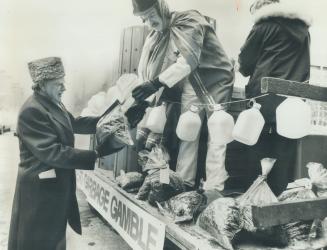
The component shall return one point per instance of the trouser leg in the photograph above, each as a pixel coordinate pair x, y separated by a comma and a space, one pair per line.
187, 159
284, 150
216, 173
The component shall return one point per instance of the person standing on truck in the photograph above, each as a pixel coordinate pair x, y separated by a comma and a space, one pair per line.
183, 57
45, 198
277, 46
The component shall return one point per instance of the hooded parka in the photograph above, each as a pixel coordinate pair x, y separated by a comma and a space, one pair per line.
277, 46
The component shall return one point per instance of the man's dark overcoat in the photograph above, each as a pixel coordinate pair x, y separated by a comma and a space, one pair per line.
42, 207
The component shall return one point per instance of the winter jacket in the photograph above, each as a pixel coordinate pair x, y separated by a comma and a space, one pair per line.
277, 46
42, 206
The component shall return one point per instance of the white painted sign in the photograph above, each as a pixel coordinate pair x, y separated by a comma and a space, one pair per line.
139, 229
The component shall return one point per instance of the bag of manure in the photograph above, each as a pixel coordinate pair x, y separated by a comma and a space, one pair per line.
184, 207
318, 176
299, 232
222, 220
161, 183
114, 122
258, 194
131, 181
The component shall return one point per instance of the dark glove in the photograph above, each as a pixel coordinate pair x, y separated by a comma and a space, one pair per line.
135, 113
140, 93
109, 146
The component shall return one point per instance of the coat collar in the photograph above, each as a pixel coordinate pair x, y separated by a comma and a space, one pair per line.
56, 112
287, 9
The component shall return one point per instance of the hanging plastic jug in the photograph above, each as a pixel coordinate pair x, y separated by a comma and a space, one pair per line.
220, 126
249, 125
157, 119
293, 118
189, 124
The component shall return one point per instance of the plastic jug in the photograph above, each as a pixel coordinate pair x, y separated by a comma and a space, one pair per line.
220, 126
249, 125
157, 119
189, 124
293, 118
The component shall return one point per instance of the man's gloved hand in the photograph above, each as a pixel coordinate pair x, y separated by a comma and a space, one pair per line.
135, 113
109, 146
140, 93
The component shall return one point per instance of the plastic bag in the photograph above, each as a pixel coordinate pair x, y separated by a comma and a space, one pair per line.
161, 183
142, 158
155, 191
114, 123
183, 207
258, 194
157, 158
125, 84
96, 105
299, 231
131, 182
222, 219
318, 177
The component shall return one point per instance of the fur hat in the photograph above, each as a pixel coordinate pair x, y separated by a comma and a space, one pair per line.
257, 4
46, 69
141, 6
284, 8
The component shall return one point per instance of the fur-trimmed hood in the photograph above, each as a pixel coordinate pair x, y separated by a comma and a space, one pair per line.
290, 9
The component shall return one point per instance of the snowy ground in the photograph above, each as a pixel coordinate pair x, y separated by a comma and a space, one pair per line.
97, 235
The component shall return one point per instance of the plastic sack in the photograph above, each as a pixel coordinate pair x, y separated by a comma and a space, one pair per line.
154, 189
114, 123
98, 103
258, 194
157, 158
112, 95
183, 207
131, 182
142, 158
222, 219
318, 177
300, 231
125, 84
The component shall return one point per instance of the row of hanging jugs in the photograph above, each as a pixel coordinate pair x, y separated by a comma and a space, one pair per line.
293, 118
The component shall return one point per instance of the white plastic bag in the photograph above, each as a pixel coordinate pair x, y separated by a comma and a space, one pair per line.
258, 194
318, 177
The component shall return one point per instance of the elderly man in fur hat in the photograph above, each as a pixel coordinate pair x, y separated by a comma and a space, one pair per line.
183, 60
45, 198
277, 46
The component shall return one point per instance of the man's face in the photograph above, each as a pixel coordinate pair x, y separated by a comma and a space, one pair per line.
54, 89
153, 20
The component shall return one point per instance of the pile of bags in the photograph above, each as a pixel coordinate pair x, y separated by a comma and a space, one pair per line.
228, 219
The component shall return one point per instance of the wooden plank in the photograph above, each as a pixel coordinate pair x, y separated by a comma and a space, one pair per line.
137, 45
286, 212
127, 50
121, 53
284, 87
